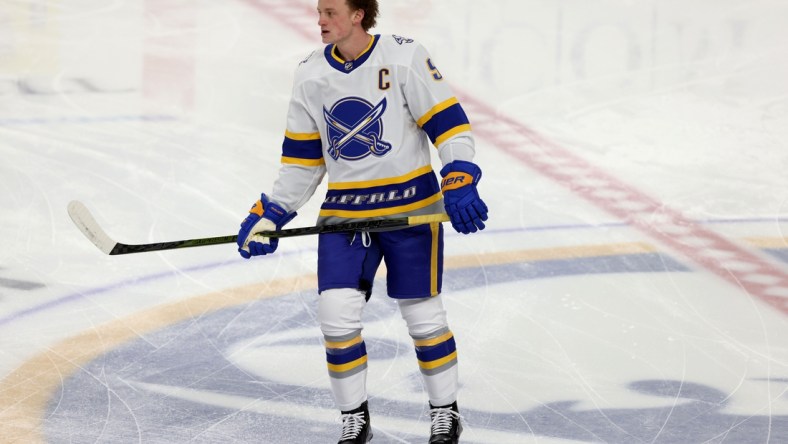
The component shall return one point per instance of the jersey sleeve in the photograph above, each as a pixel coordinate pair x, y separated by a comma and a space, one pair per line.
436, 109
303, 166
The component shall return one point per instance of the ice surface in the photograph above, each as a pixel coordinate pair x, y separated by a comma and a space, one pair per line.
631, 285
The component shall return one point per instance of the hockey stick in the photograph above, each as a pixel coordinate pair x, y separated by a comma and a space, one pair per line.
91, 229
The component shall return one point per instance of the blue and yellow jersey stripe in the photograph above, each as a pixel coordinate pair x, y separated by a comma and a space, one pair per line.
444, 120
382, 197
305, 149
381, 182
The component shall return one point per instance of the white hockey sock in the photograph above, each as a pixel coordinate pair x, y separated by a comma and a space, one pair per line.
339, 313
435, 347
347, 369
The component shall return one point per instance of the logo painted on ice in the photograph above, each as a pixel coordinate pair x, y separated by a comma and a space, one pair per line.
355, 129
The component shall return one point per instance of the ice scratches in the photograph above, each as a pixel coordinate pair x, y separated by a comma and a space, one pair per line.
767, 281
391, 426
580, 378
188, 391
102, 380
694, 416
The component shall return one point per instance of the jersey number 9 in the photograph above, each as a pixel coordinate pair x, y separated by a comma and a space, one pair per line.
434, 71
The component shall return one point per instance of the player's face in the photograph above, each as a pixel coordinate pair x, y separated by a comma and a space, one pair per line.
336, 20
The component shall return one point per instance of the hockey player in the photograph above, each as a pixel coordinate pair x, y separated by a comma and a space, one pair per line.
366, 109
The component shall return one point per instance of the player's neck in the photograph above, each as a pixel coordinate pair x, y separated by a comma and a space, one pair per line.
353, 46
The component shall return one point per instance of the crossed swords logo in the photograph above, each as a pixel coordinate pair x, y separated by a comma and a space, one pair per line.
356, 132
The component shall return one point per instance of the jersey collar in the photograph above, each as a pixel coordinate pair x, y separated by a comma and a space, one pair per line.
347, 67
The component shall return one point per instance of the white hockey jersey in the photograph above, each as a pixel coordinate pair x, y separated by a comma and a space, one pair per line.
369, 123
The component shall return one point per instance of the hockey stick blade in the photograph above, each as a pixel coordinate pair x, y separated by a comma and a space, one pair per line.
90, 228
87, 224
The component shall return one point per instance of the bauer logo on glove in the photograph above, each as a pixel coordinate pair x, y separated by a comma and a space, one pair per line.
258, 208
454, 180
465, 208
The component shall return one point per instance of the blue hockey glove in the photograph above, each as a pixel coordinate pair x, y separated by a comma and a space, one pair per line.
264, 216
463, 205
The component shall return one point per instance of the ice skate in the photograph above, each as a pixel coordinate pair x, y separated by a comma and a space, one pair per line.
355, 426
446, 426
